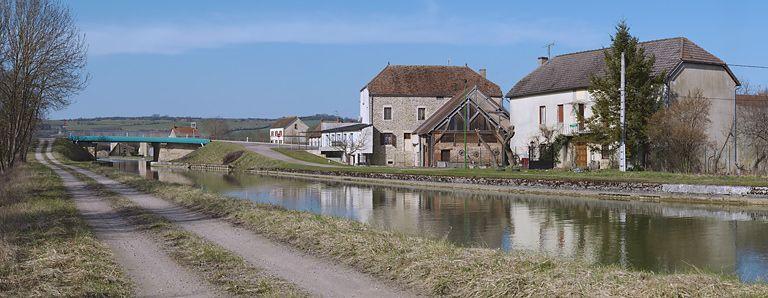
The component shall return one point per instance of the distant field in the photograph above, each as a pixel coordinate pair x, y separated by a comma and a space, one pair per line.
254, 129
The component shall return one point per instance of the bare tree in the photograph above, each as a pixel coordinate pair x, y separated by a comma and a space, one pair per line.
349, 145
678, 134
43, 58
752, 112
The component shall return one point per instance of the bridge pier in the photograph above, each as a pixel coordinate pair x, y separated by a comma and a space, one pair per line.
155, 151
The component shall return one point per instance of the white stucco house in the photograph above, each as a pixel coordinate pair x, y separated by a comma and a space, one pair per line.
351, 144
555, 93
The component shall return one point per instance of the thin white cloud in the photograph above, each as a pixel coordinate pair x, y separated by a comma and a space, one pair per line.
178, 38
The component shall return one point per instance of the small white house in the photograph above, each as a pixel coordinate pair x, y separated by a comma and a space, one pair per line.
350, 144
288, 130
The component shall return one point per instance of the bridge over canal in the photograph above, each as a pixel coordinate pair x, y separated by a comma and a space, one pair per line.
159, 148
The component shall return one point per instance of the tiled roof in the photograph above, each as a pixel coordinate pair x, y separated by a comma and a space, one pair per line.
283, 122
752, 100
428, 81
489, 106
185, 131
353, 127
572, 71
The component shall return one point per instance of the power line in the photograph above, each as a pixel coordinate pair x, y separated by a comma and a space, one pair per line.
748, 66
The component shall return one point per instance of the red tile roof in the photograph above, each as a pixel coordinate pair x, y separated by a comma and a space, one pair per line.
186, 131
428, 81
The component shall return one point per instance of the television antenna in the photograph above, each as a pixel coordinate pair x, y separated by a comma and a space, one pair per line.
549, 49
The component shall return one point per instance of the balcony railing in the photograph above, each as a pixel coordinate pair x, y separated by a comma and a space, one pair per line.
573, 129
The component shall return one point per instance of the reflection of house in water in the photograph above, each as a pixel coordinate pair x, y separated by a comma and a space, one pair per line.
353, 201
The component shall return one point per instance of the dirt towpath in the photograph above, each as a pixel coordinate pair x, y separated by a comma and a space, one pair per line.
317, 276
152, 272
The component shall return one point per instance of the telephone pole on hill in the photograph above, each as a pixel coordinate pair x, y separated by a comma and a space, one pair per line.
623, 143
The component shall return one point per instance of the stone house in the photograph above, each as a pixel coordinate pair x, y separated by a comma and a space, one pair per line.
555, 96
288, 130
402, 97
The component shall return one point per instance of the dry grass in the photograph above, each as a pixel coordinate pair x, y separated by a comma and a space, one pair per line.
435, 267
215, 152
46, 249
225, 270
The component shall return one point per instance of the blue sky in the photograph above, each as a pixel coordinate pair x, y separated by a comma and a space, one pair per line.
274, 58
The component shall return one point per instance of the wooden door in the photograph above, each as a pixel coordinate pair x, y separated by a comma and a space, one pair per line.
445, 155
581, 155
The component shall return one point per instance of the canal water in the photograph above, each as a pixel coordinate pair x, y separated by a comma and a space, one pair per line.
638, 235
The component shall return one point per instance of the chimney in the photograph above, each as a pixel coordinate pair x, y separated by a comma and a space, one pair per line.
543, 60
483, 72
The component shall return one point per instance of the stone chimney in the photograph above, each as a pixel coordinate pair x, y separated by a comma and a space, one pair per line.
483, 72
543, 60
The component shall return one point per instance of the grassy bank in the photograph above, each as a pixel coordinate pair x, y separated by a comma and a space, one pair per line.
46, 249
71, 151
437, 267
225, 270
214, 153
306, 156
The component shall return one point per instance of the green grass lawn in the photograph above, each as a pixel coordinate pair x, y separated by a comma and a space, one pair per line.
306, 156
214, 153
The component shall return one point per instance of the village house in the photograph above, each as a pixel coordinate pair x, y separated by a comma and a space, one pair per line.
348, 143
555, 96
402, 97
185, 131
288, 130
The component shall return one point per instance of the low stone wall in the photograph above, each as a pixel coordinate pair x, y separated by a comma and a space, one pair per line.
598, 186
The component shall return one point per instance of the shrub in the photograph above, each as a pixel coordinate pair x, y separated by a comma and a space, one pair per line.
678, 134
232, 157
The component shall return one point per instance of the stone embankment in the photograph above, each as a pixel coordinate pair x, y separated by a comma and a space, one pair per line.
561, 185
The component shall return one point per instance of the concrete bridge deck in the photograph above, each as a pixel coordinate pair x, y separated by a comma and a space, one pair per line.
132, 139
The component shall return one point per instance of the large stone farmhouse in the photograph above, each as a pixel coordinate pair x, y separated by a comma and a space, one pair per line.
555, 95
403, 97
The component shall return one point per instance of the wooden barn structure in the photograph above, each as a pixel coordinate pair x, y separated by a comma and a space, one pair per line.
470, 129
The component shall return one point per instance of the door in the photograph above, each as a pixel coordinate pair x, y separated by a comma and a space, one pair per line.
581, 155
445, 155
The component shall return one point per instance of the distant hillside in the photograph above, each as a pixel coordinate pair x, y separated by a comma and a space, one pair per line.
255, 129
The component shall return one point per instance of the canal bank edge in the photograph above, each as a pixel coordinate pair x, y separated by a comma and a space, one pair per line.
435, 267
713, 194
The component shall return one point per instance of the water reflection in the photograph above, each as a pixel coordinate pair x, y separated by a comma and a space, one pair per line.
640, 235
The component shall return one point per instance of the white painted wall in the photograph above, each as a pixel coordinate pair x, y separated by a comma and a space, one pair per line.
525, 115
348, 136
365, 106
276, 135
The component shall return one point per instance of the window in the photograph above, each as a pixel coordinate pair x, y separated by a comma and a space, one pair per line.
440, 98
388, 139
580, 115
295, 126
406, 136
387, 113
542, 115
421, 113
560, 114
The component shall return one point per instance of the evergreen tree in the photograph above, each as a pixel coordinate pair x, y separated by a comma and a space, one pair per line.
643, 94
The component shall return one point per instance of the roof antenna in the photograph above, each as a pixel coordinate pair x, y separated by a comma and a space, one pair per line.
449, 61
549, 49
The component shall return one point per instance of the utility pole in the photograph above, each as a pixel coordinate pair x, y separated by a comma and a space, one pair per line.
466, 127
623, 143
